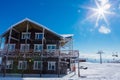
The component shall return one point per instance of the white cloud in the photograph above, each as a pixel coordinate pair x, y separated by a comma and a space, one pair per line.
104, 30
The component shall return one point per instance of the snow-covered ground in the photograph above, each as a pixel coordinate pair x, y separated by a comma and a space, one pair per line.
95, 71
105, 71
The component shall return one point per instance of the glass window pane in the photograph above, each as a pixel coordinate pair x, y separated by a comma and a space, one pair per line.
24, 64
39, 65
35, 64
37, 47
26, 35
24, 47
53, 47
52, 67
9, 64
20, 65
40, 36
11, 47
40, 47
49, 47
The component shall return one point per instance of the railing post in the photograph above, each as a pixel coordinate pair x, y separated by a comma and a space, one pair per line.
59, 59
78, 65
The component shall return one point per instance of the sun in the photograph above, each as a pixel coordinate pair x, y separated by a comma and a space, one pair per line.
100, 11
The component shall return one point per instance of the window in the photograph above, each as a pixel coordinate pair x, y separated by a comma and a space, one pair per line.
51, 65
37, 47
38, 35
37, 65
11, 47
9, 64
51, 47
22, 65
24, 47
26, 35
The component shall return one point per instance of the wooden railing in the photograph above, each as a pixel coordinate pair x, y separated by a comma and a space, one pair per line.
45, 53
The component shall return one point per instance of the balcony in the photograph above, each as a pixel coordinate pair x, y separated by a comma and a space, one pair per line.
44, 53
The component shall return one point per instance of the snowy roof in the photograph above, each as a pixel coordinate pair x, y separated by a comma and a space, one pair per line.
27, 19
67, 35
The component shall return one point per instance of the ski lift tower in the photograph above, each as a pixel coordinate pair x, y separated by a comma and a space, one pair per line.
100, 52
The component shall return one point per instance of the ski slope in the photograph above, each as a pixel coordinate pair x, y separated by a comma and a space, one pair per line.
95, 71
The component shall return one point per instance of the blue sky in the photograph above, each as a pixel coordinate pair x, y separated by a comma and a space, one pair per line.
69, 17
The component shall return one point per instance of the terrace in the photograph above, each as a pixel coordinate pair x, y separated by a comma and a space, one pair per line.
44, 53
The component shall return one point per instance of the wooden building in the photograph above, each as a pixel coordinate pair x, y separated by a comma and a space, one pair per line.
31, 48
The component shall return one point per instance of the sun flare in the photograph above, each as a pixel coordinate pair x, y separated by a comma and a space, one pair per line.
100, 11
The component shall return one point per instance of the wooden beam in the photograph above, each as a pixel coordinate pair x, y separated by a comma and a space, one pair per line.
9, 39
15, 30
59, 60
27, 28
42, 50
14, 39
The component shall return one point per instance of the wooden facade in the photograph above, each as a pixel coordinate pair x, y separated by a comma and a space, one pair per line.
34, 49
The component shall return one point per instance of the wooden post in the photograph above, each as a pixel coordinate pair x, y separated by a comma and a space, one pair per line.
42, 52
72, 54
24, 56
9, 39
59, 59
59, 65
